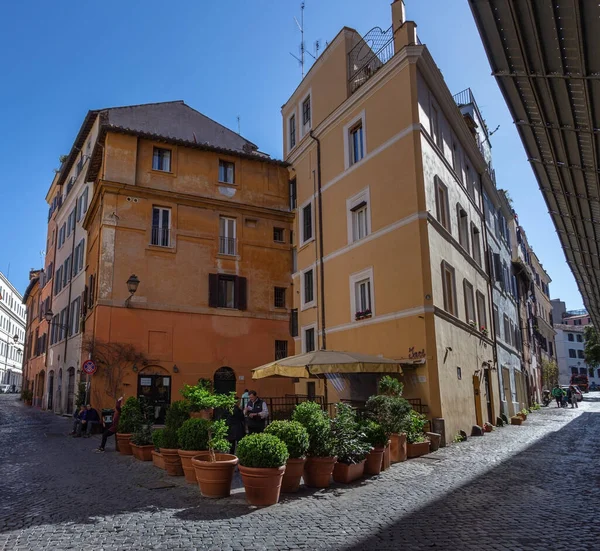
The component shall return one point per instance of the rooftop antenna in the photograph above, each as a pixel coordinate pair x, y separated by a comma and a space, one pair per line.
239, 126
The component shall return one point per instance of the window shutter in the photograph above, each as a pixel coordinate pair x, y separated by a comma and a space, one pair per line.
213, 290
240, 293
294, 323
84, 301
497, 267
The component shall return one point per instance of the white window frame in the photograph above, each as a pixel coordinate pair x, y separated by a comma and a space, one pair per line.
303, 330
438, 184
224, 224
463, 227
307, 305
225, 163
154, 150
354, 280
301, 221
476, 244
445, 292
289, 132
169, 227
469, 293
360, 118
363, 196
436, 133
304, 129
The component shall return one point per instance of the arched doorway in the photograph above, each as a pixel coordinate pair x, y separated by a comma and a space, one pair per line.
50, 390
59, 382
71, 390
224, 380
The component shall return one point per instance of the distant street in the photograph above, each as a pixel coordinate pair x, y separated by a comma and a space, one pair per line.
531, 487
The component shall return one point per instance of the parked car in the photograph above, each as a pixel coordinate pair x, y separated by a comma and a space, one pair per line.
579, 394
5, 389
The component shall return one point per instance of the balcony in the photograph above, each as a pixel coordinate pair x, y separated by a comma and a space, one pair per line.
371, 53
161, 237
227, 246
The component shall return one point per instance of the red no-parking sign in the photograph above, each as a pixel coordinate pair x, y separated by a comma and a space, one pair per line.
89, 367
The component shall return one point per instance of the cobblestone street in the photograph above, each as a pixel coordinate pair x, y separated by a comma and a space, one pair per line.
531, 487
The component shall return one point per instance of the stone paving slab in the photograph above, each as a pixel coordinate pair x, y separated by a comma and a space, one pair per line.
536, 486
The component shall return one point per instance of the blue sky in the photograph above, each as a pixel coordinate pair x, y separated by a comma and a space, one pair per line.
225, 58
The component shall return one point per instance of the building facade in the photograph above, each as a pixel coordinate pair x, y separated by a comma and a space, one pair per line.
201, 218
390, 241
12, 335
33, 357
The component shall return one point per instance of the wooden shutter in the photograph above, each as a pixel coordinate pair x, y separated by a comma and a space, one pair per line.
294, 323
213, 290
240, 293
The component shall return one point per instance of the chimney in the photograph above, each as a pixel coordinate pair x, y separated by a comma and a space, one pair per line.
405, 32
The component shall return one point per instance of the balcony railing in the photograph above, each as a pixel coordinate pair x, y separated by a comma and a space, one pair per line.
373, 51
227, 246
161, 237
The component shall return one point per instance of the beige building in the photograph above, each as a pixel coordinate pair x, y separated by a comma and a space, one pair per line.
390, 246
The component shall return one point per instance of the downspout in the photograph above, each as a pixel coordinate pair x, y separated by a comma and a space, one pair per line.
321, 266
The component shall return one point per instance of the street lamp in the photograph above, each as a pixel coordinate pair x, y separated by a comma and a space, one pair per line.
132, 286
16, 338
48, 317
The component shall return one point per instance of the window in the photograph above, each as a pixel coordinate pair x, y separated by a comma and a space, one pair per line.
82, 204
455, 158
481, 311
574, 371
513, 334
306, 223
363, 296
61, 235
469, 302
357, 151
226, 291
293, 196
583, 371
506, 329
71, 222
74, 313
496, 320
279, 297
570, 336
463, 228
63, 324
449, 286
359, 221
226, 172
309, 339
227, 243
67, 268
161, 159
55, 330
292, 130
435, 126
279, 235
577, 322
161, 227
294, 323
281, 350
572, 353
306, 113
58, 280
78, 258
308, 289
579, 338
550, 348
580, 354
476, 244
441, 204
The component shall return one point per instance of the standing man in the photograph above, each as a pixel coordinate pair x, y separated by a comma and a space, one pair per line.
244, 400
256, 413
109, 431
557, 392
574, 403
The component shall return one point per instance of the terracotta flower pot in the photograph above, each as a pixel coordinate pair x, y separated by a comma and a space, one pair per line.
516, 420
158, 459
398, 447
186, 463
344, 474
386, 462
262, 485
202, 414
214, 479
143, 453
522, 416
374, 461
317, 471
294, 468
123, 441
418, 449
172, 462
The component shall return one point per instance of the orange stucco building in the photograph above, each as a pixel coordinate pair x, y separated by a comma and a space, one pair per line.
202, 218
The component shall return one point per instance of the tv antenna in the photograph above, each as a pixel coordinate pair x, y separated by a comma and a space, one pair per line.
303, 50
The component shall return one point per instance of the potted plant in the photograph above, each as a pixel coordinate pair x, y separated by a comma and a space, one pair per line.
523, 414
351, 446
516, 420
141, 441
262, 464
193, 439
484, 331
377, 437
177, 414
295, 437
130, 421
214, 468
203, 400
157, 457
321, 458
417, 443
27, 396
391, 412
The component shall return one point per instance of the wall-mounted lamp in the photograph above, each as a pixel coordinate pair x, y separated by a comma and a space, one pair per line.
132, 286
134, 368
175, 369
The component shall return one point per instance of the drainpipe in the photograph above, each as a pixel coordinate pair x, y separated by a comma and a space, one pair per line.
321, 267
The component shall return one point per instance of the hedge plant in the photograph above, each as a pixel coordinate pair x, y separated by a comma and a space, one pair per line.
169, 439
202, 396
177, 414
389, 386
415, 427
293, 435
262, 451
157, 438
130, 419
350, 442
391, 412
376, 434
143, 435
318, 425
193, 435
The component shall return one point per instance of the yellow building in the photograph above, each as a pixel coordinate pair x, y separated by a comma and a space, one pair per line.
390, 245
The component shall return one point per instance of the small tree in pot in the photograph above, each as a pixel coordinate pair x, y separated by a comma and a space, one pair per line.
193, 439
141, 441
418, 444
295, 437
378, 438
203, 400
262, 465
177, 414
351, 446
130, 421
321, 458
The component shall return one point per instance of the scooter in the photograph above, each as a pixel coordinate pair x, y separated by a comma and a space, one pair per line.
546, 398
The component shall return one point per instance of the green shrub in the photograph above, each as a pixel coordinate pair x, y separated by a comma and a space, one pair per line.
350, 443
193, 435
217, 437
169, 439
389, 386
375, 434
27, 395
293, 435
262, 451
391, 412
143, 436
201, 396
318, 425
177, 414
130, 419
414, 429
157, 438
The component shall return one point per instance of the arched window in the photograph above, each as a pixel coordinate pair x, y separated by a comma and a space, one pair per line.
224, 380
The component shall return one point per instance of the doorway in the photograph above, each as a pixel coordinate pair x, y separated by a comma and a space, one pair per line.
156, 389
71, 390
59, 384
488, 395
50, 390
224, 380
477, 396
